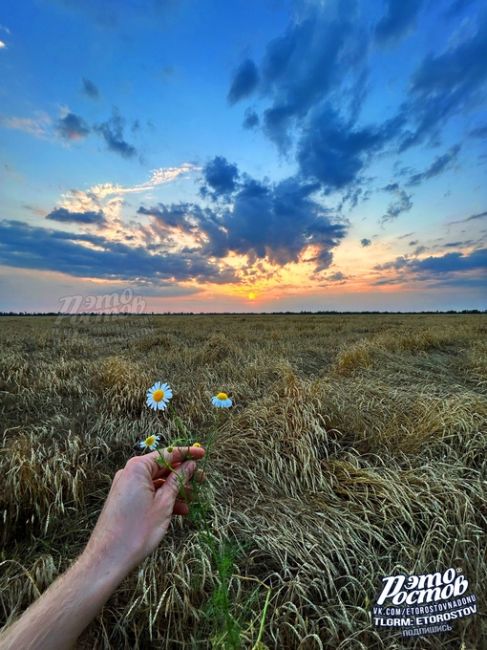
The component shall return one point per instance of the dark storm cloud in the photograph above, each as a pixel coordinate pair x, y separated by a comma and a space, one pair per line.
438, 166
221, 176
64, 215
30, 247
72, 127
112, 132
244, 81
399, 18
365, 242
90, 89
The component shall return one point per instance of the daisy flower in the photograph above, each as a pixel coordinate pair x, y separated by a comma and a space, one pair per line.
158, 396
221, 400
150, 442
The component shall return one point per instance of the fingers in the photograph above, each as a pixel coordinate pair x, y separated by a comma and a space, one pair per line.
152, 462
168, 492
199, 475
180, 508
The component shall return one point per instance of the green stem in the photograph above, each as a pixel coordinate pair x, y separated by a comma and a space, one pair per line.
262, 620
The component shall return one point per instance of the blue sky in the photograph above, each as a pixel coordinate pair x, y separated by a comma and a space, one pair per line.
244, 155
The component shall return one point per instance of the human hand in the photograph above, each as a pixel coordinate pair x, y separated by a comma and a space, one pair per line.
137, 512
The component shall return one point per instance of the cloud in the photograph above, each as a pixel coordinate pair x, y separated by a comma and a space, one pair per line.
479, 132
278, 222
333, 152
333, 278
452, 262
244, 81
109, 197
402, 204
320, 53
337, 277
186, 216
251, 119
398, 19
221, 176
72, 127
365, 242
445, 84
93, 256
2, 45
473, 217
112, 133
455, 269
456, 244
64, 215
441, 164
313, 80
159, 176
457, 6
37, 126
89, 88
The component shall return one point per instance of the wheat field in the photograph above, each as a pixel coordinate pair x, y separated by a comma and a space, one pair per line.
356, 449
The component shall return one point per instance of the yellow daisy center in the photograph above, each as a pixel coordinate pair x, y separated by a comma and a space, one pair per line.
222, 396
150, 441
158, 395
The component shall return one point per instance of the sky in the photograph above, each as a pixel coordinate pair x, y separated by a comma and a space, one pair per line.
246, 155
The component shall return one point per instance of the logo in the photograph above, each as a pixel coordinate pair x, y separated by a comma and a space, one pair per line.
102, 307
423, 604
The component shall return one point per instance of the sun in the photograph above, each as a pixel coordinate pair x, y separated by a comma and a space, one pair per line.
251, 295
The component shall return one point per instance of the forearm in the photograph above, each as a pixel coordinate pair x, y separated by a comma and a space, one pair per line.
56, 619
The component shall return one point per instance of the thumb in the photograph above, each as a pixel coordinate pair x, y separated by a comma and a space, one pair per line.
175, 481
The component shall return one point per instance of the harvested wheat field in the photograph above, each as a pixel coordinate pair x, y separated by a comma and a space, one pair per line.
355, 449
